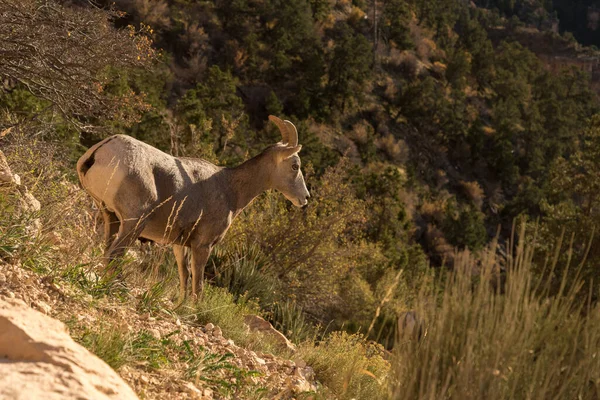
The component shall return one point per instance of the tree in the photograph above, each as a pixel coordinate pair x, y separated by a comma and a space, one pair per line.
212, 112
350, 66
62, 54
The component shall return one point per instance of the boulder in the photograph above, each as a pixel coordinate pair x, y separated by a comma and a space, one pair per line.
6, 175
258, 324
39, 360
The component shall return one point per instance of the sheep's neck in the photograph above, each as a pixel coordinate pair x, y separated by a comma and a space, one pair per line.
248, 180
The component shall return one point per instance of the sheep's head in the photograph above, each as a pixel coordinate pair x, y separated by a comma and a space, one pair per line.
287, 176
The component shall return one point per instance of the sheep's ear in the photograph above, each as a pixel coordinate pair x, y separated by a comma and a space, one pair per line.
287, 152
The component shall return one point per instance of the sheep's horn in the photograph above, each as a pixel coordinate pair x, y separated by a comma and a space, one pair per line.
292, 133
282, 128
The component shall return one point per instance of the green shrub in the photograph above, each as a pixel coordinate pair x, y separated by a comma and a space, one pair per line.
219, 307
348, 366
108, 343
244, 271
288, 318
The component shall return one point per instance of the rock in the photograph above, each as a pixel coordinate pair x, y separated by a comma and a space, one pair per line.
155, 333
43, 307
260, 361
258, 324
410, 325
217, 332
208, 328
2, 278
6, 175
38, 359
54, 238
300, 363
30, 203
193, 391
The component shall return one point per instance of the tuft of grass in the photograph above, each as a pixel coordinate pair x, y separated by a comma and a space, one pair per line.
152, 299
209, 367
288, 318
219, 307
509, 342
107, 343
109, 282
244, 271
349, 366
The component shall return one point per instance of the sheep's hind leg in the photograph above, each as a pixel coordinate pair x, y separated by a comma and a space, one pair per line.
181, 258
200, 255
111, 226
129, 231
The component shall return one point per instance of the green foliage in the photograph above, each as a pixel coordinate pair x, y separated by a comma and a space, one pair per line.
211, 113
245, 272
288, 318
208, 367
309, 250
151, 299
219, 307
348, 366
106, 283
107, 343
464, 227
395, 18
350, 67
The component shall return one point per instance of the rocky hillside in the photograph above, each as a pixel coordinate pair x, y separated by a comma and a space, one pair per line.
159, 355
161, 349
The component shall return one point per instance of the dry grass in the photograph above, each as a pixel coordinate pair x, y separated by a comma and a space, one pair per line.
512, 343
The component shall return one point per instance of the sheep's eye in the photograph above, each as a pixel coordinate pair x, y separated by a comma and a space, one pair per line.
295, 167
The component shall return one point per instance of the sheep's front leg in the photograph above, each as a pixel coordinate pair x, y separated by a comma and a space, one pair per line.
200, 255
179, 252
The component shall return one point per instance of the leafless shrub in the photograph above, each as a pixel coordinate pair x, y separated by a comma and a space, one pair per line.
474, 192
433, 210
438, 245
62, 54
395, 149
152, 12
361, 131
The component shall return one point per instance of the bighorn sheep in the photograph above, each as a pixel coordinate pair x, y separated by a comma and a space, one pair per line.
185, 202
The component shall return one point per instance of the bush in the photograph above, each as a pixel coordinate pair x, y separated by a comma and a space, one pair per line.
245, 272
348, 366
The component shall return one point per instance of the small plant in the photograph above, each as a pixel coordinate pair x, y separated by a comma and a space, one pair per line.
349, 366
289, 318
507, 340
108, 282
244, 271
217, 371
151, 300
108, 343
219, 307
147, 349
